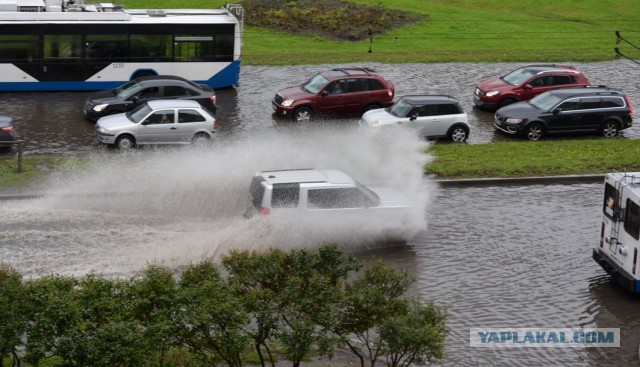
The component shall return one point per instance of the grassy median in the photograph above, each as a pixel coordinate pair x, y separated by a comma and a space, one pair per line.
541, 158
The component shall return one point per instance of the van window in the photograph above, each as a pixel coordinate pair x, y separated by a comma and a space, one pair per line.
285, 196
612, 102
632, 219
336, 198
610, 200
590, 103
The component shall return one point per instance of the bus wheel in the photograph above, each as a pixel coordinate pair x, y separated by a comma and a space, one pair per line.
125, 142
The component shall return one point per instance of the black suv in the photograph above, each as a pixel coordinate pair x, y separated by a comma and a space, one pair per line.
140, 90
586, 109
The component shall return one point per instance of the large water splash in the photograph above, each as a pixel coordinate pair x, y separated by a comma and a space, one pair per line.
119, 212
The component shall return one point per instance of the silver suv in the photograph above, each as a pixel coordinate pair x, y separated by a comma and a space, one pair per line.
301, 192
157, 122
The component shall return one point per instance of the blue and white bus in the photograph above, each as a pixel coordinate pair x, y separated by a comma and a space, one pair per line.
65, 45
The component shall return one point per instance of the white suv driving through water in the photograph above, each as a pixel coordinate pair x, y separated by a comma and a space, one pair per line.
328, 199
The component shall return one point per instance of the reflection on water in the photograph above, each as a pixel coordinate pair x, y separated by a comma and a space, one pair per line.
53, 122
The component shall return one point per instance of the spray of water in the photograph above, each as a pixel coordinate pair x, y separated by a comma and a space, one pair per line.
121, 211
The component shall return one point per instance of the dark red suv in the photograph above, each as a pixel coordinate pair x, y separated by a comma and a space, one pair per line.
336, 91
525, 83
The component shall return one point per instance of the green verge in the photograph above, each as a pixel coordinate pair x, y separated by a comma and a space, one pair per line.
542, 158
456, 31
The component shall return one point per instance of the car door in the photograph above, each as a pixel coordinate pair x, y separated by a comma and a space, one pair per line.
144, 95
424, 120
564, 117
159, 127
591, 114
535, 86
333, 98
190, 121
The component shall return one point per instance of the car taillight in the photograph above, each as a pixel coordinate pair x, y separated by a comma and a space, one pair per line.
629, 104
390, 92
602, 236
215, 123
7, 129
264, 211
213, 100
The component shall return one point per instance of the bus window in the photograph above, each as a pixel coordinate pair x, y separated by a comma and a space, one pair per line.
62, 46
106, 47
194, 48
610, 200
19, 48
150, 47
632, 219
224, 47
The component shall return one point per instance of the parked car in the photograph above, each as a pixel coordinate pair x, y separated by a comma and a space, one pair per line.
593, 109
137, 91
432, 117
303, 192
336, 91
170, 121
7, 132
525, 83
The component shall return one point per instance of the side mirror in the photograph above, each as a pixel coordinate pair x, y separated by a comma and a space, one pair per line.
528, 87
324, 93
135, 99
413, 117
557, 110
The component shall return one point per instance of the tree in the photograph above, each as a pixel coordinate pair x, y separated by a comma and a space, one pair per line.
212, 317
13, 313
155, 306
416, 334
310, 297
370, 299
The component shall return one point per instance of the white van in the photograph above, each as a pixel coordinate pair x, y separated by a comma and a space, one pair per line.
620, 231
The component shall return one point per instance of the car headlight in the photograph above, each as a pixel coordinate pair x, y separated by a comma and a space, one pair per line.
287, 102
513, 121
492, 93
103, 130
100, 107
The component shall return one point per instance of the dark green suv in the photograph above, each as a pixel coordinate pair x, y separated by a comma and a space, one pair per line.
567, 110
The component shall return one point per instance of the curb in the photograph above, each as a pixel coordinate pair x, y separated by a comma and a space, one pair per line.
535, 180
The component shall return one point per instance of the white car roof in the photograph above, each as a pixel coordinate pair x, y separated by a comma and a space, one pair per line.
172, 103
306, 176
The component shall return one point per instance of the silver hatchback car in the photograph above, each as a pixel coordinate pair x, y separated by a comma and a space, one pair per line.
157, 122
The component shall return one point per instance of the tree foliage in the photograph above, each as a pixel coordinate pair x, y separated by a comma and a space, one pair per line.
287, 305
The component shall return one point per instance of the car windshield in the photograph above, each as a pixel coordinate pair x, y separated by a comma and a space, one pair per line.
137, 114
314, 84
400, 108
128, 89
373, 197
519, 76
545, 101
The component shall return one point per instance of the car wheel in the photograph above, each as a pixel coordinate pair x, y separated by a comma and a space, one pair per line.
534, 131
303, 114
125, 142
610, 129
506, 102
371, 107
458, 134
200, 140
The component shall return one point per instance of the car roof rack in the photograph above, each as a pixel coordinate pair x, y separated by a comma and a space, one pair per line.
368, 71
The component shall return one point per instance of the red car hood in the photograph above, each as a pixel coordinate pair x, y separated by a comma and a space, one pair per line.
293, 93
494, 83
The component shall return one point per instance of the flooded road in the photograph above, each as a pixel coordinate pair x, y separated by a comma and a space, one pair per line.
53, 122
497, 257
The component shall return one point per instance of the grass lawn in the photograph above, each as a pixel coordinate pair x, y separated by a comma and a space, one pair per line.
457, 31
541, 158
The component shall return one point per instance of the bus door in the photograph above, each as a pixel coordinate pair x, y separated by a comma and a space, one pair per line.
62, 58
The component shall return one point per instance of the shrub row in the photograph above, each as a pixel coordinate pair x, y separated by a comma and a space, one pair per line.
255, 307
